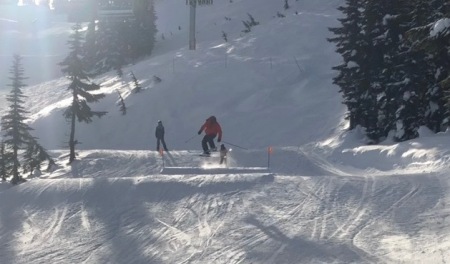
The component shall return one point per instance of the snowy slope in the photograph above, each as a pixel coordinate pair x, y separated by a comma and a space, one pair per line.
106, 209
325, 198
241, 82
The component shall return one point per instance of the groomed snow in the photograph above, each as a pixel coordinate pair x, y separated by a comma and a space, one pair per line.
321, 196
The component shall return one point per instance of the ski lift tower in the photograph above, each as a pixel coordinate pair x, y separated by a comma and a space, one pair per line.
193, 4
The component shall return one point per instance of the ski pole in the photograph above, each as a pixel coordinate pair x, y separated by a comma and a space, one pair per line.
234, 145
190, 139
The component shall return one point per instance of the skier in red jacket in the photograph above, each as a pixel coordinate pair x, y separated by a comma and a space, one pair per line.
212, 129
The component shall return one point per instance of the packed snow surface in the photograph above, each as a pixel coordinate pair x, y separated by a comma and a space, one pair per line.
321, 195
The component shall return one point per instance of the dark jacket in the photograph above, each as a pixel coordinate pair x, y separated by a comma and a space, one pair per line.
223, 151
159, 132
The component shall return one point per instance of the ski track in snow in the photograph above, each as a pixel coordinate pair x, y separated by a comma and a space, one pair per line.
220, 218
226, 218
122, 206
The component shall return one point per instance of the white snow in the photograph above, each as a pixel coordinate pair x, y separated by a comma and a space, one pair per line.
442, 26
322, 196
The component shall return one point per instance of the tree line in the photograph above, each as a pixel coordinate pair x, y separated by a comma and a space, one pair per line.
110, 42
395, 70
20, 152
114, 41
119, 32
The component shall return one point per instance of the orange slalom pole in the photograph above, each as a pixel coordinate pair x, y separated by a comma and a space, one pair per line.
269, 152
161, 152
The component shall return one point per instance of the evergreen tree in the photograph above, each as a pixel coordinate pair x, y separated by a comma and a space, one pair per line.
379, 98
143, 30
439, 49
286, 5
408, 121
117, 48
156, 79
436, 57
111, 46
90, 48
113, 42
389, 82
137, 87
5, 164
81, 89
440, 9
361, 87
280, 15
121, 103
376, 102
252, 21
349, 41
224, 36
400, 105
414, 74
249, 24
34, 156
16, 131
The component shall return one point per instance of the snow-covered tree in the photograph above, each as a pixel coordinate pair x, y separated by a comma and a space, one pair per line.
403, 73
433, 39
349, 41
383, 79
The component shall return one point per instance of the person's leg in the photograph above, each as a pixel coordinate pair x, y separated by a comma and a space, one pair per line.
164, 143
204, 146
211, 142
157, 144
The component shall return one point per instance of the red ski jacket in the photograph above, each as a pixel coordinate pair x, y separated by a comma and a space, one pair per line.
212, 128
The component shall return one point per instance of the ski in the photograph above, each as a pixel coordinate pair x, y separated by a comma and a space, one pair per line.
201, 154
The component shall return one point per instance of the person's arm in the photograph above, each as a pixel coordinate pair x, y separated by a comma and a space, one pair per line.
219, 131
201, 128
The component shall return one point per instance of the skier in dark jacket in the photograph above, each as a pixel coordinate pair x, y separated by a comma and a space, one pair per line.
212, 129
223, 154
159, 134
